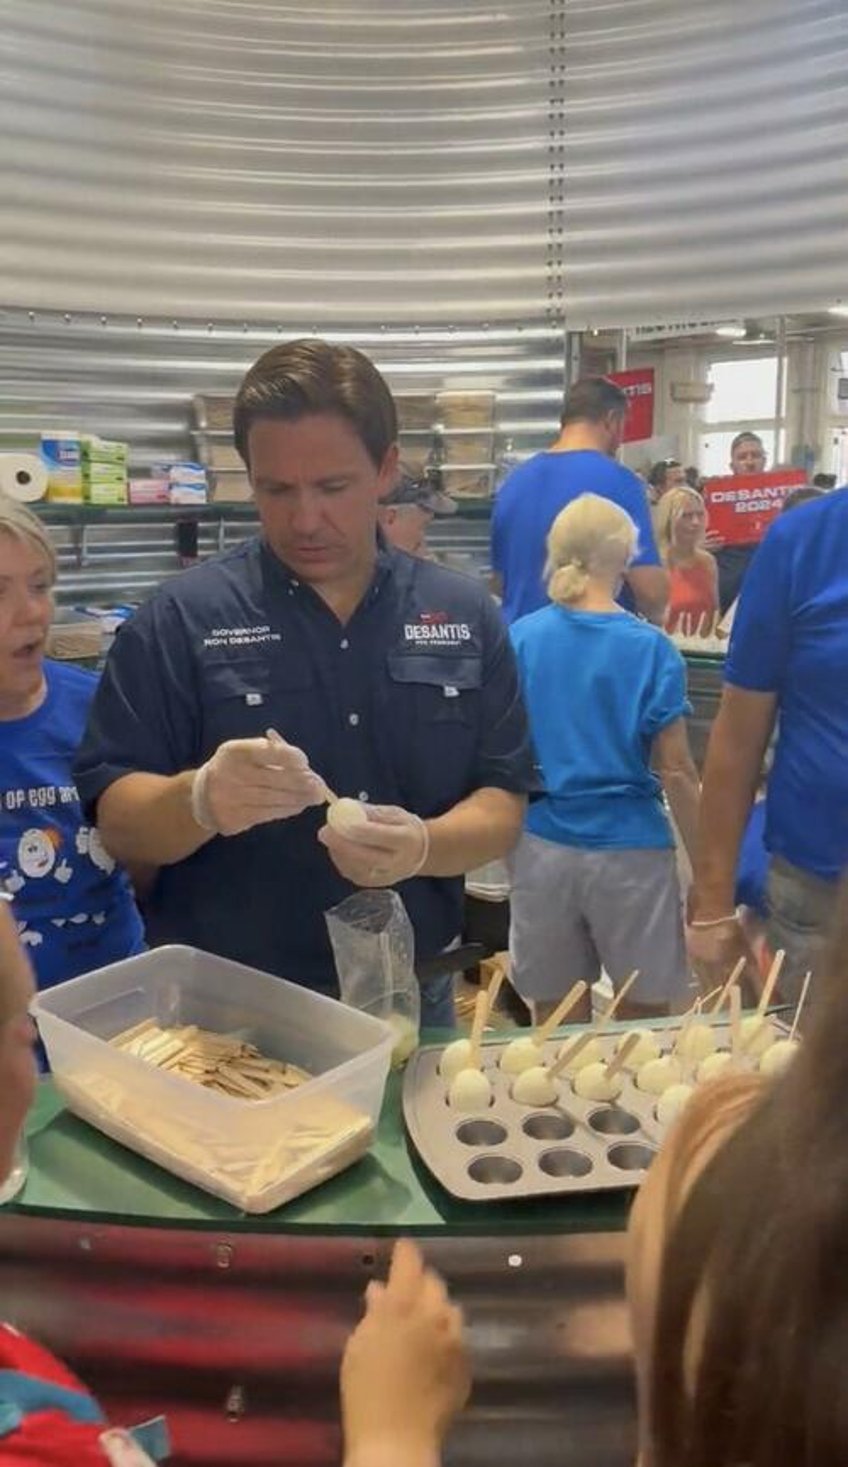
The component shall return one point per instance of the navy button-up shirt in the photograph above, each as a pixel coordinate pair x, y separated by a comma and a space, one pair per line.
413, 702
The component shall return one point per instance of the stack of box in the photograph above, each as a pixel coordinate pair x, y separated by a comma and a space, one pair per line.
61, 453
104, 470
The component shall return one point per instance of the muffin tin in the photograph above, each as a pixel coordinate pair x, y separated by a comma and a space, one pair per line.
515, 1151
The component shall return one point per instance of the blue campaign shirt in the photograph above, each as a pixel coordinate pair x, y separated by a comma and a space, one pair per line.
74, 908
599, 686
414, 702
529, 501
790, 638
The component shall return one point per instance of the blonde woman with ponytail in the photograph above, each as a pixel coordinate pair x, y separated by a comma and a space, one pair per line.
594, 877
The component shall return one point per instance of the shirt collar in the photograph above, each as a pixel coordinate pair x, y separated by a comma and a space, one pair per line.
387, 563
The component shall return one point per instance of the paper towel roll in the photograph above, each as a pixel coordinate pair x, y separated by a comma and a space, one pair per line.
23, 477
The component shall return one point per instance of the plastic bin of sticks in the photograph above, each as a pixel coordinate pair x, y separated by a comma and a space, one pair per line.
469, 448
466, 409
416, 411
247, 1086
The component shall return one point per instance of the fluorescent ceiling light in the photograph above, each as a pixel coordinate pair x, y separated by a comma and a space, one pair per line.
838, 311
733, 333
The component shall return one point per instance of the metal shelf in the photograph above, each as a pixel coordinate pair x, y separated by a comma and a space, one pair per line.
122, 514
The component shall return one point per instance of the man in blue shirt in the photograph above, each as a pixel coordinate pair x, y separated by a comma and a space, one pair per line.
582, 461
384, 675
788, 661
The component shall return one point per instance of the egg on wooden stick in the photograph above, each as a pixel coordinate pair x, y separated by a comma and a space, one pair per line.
527, 1052
470, 1089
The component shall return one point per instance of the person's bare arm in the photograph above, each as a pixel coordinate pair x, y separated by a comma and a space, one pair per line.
672, 760
737, 746
649, 584
483, 827
16, 980
146, 819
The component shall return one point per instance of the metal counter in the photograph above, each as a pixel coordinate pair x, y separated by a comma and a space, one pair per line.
165, 1299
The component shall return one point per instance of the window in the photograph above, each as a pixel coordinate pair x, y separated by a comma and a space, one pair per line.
743, 391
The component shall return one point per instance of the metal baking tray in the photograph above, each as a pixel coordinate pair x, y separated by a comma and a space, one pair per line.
515, 1151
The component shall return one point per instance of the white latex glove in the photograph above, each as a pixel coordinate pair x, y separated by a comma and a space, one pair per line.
389, 847
405, 1373
251, 782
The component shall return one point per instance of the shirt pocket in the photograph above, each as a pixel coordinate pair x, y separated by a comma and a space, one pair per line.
244, 696
434, 721
446, 688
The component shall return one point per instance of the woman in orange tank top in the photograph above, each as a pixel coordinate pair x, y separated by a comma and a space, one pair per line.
681, 522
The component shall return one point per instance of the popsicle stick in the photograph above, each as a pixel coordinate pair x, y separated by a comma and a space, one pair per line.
619, 998
570, 1052
701, 619
277, 739
802, 1000
623, 1055
560, 1013
688, 1020
731, 983
770, 983
481, 1013
735, 1023
493, 991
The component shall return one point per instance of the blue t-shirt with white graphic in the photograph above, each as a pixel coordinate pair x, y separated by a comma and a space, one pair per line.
74, 908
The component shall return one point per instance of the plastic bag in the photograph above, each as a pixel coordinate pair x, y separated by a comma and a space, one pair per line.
374, 949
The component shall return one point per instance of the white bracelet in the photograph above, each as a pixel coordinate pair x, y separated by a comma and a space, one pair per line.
200, 813
425, 852
701, 926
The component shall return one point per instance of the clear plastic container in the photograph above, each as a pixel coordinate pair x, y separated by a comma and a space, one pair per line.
15, 1181
256, 1154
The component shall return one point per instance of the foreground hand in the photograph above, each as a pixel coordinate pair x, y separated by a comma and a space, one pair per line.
405, 1373
715, 951
250, 782
391, 847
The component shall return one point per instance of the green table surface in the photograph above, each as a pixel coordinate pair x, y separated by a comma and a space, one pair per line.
78, 1174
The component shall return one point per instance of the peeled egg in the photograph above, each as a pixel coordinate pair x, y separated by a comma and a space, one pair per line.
756, 1035
534, 1087
521, 1054
778, 1056
470, 1090
659, 1075
591, 1054
455, 1057
593, 1082
713, 1066
347, 816
646, 1049
696, 1042
672, 1102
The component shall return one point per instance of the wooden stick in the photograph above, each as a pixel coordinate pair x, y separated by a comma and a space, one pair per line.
770, 983
481, 1013
623, 1055
735, 1022
802, 1000
731, 983
493, 991
570, 1052
688, 1020
622, 994
277, 739
562, 1010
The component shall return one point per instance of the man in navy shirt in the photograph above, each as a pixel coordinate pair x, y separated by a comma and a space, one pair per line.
582, 461
384, 675
788, 660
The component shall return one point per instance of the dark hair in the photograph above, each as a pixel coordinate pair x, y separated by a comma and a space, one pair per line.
657, 475
824, 481
746, 436
591, 399
298, 378
802, 495
758, 1262
694, 479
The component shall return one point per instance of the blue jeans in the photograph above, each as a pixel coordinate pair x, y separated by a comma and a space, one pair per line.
437, 1006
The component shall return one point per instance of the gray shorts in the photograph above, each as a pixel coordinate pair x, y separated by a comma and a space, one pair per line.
574, 911
801, 908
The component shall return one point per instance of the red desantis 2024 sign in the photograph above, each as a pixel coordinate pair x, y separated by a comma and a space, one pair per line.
639, 386
741, 507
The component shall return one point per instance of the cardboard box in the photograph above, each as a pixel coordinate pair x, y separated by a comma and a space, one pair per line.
61, 453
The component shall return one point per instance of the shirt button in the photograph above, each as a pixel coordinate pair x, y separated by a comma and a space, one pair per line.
353, 719
344, 644
363, 795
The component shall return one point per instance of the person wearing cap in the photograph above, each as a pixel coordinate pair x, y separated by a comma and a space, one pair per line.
311, 658
665, 475
408, 509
